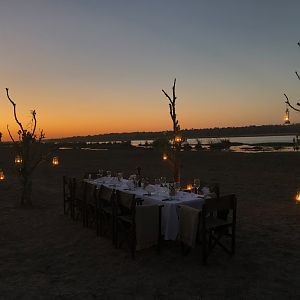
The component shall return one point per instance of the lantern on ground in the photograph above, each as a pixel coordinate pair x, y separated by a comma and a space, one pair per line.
55, 161
286, 117
2, 176
298, 196
18, 159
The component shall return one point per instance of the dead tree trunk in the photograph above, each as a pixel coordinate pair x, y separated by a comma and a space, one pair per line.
29, 148
176, 136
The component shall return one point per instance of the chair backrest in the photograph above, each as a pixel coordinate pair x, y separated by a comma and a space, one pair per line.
148, 225
221, 206
105, 193
126, 202
66, 190
80, 189
68, 187
91, 193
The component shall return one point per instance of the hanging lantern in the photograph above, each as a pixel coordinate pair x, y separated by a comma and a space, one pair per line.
55, 161
165, 156
18, 159
2, 177
287, 116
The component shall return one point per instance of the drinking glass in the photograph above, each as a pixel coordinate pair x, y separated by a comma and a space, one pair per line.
100, 172
196, 184
108, 173
120, 176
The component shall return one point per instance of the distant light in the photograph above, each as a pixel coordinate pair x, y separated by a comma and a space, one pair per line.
286, 117
165, 157
55, 161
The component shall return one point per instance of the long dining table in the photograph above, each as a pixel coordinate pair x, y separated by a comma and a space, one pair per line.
157, 195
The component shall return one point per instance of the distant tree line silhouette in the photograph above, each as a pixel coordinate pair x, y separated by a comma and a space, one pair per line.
216, 132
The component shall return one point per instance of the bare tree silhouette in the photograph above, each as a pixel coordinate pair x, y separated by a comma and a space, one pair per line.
176, 140
31, 149
287, 101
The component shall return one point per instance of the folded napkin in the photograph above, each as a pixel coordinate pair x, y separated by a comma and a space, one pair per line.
188, 225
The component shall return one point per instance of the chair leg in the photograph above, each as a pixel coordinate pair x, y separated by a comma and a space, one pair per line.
133, 247
204, 250
233, 241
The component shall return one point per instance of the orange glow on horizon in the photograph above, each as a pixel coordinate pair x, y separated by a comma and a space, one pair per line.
72, 114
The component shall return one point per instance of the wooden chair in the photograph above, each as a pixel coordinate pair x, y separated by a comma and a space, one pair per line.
105, 211
134, 223
216, 226
68, 194
125, 220
80, 201
90, 204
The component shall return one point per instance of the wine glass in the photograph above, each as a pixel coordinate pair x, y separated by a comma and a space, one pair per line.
196, 185
120, 176
100, 173
163, 181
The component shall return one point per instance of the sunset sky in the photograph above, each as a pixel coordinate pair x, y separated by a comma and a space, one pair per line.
95, 66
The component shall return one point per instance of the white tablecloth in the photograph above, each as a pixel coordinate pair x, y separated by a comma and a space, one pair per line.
159, 196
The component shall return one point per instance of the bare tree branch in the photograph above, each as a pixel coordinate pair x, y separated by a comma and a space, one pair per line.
10, 134
34, 120
290, 105
167, 96
15, 112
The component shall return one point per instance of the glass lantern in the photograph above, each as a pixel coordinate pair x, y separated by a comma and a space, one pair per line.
2, 176
18, 159
55, 161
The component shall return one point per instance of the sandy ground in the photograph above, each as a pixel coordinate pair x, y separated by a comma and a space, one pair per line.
44, 255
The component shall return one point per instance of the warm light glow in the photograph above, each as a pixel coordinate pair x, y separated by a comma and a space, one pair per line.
55, 161
18, 159
2, 177
165, 157
177, 139
189, 187
298, 196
